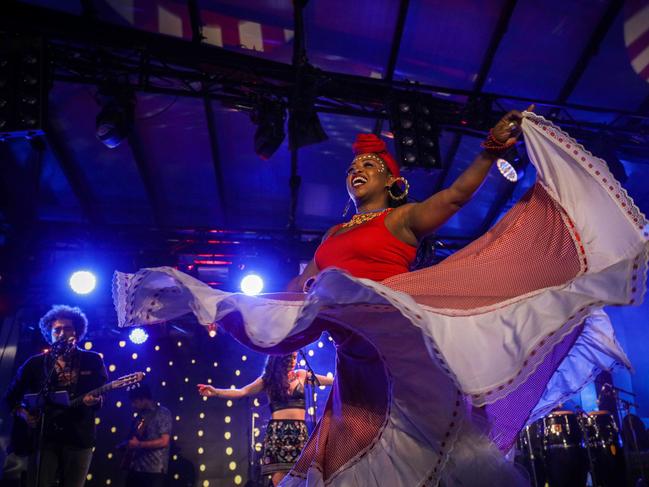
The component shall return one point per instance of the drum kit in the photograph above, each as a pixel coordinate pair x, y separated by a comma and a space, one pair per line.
565, 447
562, 448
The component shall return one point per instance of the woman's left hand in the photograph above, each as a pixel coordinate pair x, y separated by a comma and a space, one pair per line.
207, 390
508, 128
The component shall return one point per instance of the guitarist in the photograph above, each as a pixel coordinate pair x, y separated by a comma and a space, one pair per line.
147, 455
69, 433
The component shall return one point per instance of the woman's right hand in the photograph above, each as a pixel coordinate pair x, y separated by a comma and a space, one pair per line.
207, 390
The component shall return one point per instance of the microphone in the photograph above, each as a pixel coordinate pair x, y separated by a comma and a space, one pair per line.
63, 346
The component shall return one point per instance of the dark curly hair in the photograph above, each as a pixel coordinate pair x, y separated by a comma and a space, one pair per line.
63, 312
275, 376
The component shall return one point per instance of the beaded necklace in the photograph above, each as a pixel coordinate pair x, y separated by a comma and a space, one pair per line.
364, 217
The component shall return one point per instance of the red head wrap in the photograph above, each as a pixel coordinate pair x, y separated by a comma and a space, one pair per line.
370, 143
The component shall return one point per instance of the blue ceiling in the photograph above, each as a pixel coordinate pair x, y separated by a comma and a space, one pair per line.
443, 44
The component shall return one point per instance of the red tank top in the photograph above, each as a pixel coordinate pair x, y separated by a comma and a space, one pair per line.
368, 250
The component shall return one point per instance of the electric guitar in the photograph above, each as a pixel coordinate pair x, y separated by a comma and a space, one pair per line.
129, 454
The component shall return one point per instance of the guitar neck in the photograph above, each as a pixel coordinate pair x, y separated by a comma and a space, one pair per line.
77, 401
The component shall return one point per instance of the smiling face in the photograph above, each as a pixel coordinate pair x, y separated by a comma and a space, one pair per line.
367, 179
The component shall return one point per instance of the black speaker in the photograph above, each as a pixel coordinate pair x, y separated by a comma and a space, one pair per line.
23, 85
416, 133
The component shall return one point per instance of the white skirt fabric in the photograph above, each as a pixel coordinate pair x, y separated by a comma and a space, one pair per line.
439, 369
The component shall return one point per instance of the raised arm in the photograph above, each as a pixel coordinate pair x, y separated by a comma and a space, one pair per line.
421, 219
255, 387
325, 380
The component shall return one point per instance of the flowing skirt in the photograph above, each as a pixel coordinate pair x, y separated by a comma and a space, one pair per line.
437, 370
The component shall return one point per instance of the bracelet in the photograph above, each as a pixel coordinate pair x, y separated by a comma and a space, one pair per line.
494, 146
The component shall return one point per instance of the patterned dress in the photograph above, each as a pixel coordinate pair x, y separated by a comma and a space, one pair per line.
438, 369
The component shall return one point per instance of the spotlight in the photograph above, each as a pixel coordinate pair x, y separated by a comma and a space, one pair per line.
83, 282
416, 135
510, 165
269, 116
115, 119
138, 336
304, 124
252, 284
211, 330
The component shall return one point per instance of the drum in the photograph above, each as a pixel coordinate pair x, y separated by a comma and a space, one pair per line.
604, 445
602, 431
565, 456
561, 429
529, 453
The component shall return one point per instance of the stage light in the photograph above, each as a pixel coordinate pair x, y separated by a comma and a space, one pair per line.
416, 134
138, 336
304, 125
83, 282
269, 116
115, 119
252, 284
511, 166
23, 85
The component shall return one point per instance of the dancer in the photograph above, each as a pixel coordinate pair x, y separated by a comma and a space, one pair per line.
286, 433
419, 353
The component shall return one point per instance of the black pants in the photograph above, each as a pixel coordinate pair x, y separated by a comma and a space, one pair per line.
145, 479
67, 464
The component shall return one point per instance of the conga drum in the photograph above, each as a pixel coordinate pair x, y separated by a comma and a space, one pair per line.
565, 455
603, 440
529, 452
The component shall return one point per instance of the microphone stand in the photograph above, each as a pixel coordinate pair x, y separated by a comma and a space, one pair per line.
313, 379
583, 423
43, 399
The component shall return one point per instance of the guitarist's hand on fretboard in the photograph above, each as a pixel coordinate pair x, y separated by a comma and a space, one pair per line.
90, 400
133, 443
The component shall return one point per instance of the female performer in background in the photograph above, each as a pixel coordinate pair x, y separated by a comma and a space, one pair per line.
286, 433
440, 368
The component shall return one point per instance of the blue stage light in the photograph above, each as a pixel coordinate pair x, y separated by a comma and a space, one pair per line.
83, 282
138, 336
252, 284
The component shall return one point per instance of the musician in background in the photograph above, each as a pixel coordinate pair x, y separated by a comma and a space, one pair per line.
147, 455
69, 433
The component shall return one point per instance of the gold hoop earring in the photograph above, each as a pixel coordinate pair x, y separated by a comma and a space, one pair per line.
405, 189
